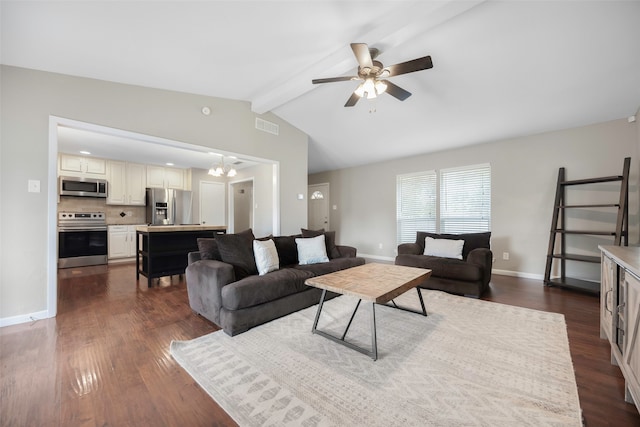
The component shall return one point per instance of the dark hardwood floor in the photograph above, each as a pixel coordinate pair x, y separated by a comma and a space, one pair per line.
104, 360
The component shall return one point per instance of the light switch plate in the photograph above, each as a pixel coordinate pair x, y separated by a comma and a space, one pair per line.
34, 186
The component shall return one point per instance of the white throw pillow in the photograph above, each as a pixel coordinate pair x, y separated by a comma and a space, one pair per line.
312, 250
266, 256
443, 247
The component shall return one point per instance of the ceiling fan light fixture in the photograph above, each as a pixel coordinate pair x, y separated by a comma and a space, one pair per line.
369, 88
380, 86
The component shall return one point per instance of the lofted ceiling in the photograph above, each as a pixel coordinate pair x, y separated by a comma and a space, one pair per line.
502, 69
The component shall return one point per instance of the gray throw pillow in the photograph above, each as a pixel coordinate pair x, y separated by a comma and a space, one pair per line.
237, 250
208, 248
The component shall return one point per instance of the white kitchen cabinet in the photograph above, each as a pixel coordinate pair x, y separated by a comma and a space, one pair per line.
161, 177
136, 184
117, 242
127, 183
155, 176
122, 241
117, 176
70, 164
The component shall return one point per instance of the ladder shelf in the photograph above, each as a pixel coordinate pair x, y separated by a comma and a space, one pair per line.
620, 234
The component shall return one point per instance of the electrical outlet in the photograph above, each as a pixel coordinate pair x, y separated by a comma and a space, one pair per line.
379, 245
505, 256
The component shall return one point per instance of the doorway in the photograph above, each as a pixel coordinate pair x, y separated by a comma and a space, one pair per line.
212, 203
241, 205
319, 207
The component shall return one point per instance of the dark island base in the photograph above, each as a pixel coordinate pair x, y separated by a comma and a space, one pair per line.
165, 253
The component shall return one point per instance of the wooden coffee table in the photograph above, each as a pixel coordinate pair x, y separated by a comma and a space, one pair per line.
373, 283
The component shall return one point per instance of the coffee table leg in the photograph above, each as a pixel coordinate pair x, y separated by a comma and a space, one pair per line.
351, 320
374, 341
315, 322
423, 312
373, 353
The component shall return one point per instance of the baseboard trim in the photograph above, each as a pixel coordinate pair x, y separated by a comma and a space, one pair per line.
24, 318
518, 274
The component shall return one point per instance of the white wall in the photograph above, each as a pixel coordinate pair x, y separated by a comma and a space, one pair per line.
28, 100
263, 221
524, 176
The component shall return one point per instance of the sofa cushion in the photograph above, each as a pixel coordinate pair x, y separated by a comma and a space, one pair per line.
287, 250
446, 268
266, 256
208, 248
312, 250
237, 250
471, 240
329, 240
448, 248
335, 264
255, 290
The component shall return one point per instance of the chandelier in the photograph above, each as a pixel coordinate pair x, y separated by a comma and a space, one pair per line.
221, 169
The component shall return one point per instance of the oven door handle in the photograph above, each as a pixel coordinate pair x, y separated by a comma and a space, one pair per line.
88, 228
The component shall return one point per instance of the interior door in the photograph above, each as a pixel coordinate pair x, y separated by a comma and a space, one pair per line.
212, 203
319, 207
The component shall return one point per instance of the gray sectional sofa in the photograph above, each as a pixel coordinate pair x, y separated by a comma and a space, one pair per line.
224, 287
468, 276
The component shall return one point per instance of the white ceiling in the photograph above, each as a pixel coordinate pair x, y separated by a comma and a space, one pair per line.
501, 69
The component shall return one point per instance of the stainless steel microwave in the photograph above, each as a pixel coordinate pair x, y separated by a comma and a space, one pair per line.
83, 187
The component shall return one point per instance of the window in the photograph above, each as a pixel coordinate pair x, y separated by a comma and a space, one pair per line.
416, 204
465, 199
456, 200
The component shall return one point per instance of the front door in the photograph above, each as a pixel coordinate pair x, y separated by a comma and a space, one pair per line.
319, 207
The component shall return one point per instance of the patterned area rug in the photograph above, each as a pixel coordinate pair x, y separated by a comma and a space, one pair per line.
469, 363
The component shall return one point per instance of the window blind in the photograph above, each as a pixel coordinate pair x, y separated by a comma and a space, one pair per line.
465, 199
416, 204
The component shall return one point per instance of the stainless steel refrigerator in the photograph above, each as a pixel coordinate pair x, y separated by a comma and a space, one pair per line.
168, 207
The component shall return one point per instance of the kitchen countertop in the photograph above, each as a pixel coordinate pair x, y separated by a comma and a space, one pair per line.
170, 228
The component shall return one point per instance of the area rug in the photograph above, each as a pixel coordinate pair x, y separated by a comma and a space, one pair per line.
469, 363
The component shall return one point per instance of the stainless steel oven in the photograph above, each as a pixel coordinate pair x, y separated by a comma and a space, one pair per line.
82, 239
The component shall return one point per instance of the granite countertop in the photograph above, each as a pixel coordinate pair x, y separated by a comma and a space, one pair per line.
170, 228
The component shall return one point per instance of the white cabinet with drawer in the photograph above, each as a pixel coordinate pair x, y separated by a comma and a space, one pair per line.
122, 241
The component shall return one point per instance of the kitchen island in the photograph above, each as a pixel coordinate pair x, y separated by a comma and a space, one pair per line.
161, 250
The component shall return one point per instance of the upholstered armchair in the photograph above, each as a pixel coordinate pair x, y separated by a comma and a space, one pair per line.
460, 263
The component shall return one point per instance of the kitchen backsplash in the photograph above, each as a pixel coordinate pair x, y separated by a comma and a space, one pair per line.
132, 214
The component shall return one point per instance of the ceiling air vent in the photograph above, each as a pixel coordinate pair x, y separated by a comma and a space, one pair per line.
266, 126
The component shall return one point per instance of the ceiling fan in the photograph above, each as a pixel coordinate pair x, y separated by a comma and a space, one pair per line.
373, 74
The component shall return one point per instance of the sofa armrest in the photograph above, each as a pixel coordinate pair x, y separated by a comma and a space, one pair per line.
409, 249
193, 257
205, 280
484, 258
347, 251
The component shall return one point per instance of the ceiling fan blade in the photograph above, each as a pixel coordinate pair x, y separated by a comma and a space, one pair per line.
418, 64
361, 51
396, 91
352, 100
334, 79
